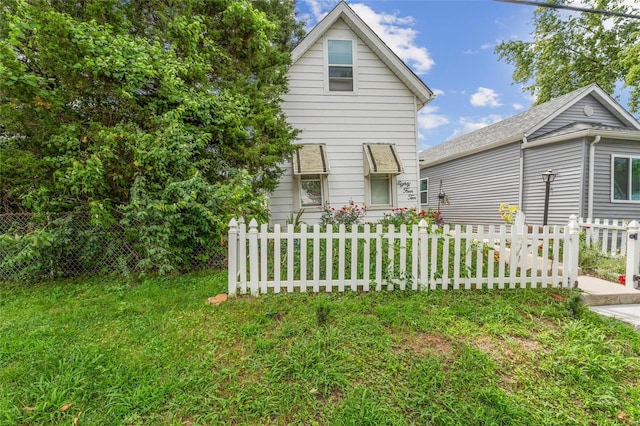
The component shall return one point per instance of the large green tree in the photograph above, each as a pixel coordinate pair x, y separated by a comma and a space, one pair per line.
569, 50
162, 115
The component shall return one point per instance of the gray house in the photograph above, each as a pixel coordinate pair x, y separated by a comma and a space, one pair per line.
590, 142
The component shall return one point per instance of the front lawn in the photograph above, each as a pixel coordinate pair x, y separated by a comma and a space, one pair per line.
107, 351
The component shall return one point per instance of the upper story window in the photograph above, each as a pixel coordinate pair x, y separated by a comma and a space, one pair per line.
626, 179
340, 62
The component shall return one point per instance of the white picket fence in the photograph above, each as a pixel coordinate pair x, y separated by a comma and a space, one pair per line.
366, 257
611, 235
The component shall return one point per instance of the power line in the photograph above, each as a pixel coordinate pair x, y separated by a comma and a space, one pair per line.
573, 8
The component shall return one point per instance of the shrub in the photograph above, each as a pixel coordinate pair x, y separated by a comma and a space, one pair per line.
350, 214
411, 216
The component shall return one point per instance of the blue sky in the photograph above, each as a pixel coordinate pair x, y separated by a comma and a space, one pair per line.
450, 45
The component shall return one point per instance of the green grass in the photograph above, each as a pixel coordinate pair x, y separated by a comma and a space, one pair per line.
151, 352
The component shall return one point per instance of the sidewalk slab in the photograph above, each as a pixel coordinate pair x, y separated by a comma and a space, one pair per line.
626, 313
598, 292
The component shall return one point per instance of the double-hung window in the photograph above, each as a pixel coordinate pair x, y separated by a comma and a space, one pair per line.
381, 166
625, 178
310, 168
424, 191
340, 65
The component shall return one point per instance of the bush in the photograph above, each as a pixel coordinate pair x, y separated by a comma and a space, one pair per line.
411, 216
350, 214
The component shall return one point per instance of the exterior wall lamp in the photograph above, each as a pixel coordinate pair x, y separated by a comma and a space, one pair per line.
547, 177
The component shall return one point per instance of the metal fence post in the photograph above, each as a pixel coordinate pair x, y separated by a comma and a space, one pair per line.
633, 250
232, 257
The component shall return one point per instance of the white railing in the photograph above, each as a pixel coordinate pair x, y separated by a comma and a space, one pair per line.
610, 235
368, 257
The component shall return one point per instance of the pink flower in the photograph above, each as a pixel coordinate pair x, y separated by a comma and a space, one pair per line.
622, 279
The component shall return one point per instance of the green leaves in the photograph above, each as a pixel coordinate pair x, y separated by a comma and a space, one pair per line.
569, 50
166, 112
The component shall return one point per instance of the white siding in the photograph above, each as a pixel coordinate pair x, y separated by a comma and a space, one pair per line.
381, 110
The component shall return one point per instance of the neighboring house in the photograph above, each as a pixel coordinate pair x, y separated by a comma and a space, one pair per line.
355, 104
585, 137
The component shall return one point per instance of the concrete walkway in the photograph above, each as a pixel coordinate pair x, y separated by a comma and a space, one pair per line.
611, 299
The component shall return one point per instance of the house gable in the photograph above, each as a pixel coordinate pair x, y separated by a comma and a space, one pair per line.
380, 111
343, 12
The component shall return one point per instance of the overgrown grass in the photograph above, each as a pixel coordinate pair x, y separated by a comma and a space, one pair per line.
151, 352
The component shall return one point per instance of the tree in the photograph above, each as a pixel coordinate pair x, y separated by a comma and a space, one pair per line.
570, 50
151, 113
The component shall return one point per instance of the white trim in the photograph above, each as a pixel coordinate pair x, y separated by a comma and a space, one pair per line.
630, 183
392, 192
354, 66
297, 181
420, 191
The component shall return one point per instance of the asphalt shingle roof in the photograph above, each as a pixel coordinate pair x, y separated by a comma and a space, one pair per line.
511, 128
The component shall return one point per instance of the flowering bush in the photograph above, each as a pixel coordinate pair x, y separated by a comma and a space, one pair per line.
351, 214
508, 212
410, 216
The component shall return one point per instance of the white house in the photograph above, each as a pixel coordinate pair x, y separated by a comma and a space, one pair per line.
355, 103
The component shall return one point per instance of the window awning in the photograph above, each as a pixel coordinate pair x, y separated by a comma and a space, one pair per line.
311, 160
381, 158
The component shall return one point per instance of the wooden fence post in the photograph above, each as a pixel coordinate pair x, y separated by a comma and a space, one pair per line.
254, 257
633, 252
572, 247
424, 249
232, 258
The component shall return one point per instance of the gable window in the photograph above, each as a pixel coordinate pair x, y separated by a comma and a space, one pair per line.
626, 178
340, 62
310, 167
381, 166
424, 191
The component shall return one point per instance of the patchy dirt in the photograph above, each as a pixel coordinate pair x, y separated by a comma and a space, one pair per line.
435, 344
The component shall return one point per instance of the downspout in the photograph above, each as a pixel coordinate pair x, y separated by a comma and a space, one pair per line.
592, 155
521, 178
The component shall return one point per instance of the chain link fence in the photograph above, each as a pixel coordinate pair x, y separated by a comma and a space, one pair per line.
41, 246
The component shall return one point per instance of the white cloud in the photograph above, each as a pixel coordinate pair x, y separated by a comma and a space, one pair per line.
467, 125
485, 97
429, 119
438, 92
396, 31
517, 106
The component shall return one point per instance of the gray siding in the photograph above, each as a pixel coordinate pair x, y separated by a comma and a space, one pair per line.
603, 207
575, 113
476, 185
567, 159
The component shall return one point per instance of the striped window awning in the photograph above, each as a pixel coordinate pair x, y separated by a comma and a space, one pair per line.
311, 160
381, 158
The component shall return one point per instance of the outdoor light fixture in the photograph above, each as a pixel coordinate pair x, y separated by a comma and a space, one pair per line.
547, 178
